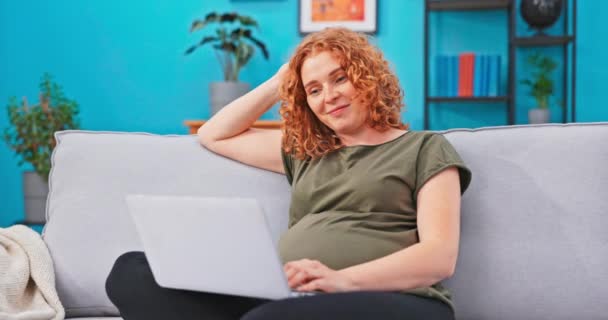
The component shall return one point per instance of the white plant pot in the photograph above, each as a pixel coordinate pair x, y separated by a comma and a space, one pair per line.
222, 93
536, 116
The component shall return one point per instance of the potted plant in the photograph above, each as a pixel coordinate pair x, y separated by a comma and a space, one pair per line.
541, 86
234, 48
31, 136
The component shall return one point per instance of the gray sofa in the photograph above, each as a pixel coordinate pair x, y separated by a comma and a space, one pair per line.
534, 241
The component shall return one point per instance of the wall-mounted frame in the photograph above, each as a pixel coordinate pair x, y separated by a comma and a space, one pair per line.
357, 15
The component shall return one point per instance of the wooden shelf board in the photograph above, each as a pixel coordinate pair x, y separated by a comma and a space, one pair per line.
451, 5
468, 99
542, 40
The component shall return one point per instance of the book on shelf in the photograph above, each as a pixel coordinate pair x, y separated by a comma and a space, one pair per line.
453, 79
467, 75
483, 85
477, 76
440, 82
494, 75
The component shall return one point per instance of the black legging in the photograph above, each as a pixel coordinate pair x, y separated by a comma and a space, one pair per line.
131, 287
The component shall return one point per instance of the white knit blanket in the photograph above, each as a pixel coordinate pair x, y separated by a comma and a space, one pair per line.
27, 278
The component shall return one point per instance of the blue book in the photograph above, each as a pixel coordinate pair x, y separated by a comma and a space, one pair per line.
497, 79
439, 75
477, 76
454, 77
493, 70
448, 76
484, 75
457, 75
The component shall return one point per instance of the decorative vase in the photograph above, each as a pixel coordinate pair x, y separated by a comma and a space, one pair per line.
222, 93
540, 14
536, 116
35, 191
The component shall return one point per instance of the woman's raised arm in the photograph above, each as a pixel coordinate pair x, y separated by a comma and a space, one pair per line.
229, 131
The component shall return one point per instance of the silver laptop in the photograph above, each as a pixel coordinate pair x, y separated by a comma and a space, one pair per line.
219, 245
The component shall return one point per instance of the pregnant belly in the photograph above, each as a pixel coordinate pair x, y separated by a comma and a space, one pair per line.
343, 239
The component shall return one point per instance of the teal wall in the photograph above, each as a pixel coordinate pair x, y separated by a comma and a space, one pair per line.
123, 62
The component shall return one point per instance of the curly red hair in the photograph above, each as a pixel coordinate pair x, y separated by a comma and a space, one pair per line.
365, 66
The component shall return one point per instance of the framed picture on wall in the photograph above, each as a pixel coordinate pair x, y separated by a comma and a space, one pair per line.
357, 15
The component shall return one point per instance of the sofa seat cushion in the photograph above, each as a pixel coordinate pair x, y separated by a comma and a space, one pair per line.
96, 318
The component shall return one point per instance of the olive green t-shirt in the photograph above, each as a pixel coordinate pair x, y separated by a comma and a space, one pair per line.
358, 203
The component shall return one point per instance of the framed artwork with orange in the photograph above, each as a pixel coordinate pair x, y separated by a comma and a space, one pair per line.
357, 15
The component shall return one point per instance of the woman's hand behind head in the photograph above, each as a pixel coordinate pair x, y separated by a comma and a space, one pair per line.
280, 74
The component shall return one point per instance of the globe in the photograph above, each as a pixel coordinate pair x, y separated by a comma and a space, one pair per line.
540, 14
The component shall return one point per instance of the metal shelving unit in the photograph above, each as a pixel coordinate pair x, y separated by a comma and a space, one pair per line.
514, 42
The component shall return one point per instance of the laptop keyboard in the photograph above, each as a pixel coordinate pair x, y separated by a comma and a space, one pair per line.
296, 294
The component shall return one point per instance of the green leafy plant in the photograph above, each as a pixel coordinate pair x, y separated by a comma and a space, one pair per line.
233, 47
32, 127
541, 83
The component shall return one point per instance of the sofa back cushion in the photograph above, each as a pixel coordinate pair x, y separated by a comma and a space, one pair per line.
533, 244
88, 222
533, 223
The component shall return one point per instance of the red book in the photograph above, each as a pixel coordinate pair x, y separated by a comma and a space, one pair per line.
462, 66
465, 74
469, 77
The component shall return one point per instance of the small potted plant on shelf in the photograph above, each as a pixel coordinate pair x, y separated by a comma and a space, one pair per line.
541, 86
234, 48
31, 136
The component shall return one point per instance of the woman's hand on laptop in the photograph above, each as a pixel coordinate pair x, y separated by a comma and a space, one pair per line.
312, 275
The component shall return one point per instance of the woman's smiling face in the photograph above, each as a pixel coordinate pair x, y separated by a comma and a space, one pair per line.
331, 95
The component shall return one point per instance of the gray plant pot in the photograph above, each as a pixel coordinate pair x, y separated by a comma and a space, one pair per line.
35, 191
222, 93
536, 116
